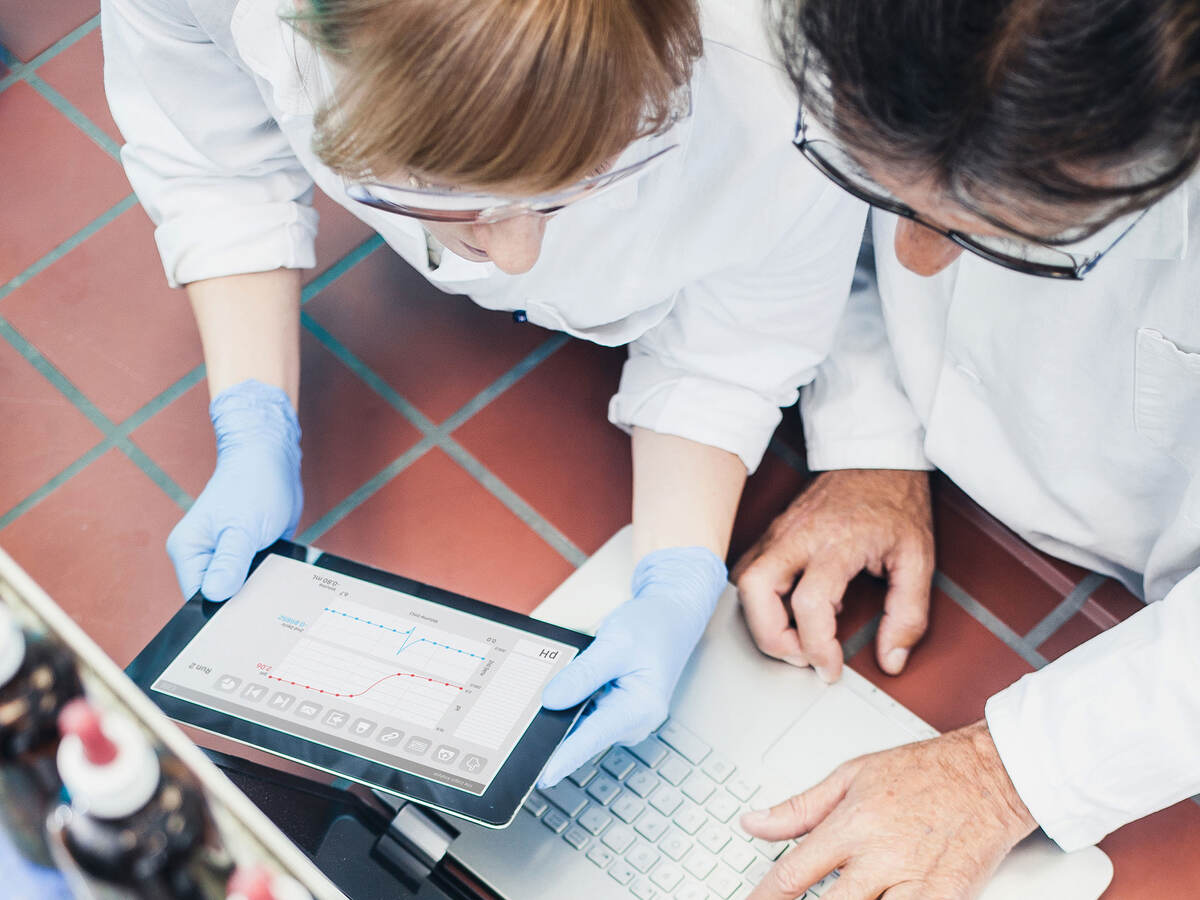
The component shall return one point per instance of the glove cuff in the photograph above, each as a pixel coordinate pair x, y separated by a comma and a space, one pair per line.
254, 410
692, 572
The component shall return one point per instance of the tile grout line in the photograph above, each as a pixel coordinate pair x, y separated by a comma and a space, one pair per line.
75, 117
19, 71
781, 449
861, 638
1066, 608
989, 620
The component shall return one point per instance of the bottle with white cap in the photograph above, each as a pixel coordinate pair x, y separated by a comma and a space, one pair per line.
37, 679
135, 826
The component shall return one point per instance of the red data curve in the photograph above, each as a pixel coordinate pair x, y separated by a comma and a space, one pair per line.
309, 687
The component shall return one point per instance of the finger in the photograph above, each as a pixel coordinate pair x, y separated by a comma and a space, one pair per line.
905, 608
190, 553
801, 813
798, 870
850, 886
910, 890
815, 602
763, 587
595, 667
230, 562
614, 720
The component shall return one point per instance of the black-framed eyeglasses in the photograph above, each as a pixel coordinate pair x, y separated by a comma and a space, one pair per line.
1020, 254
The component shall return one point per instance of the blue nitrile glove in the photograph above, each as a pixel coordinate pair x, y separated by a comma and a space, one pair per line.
253, 498
639, 653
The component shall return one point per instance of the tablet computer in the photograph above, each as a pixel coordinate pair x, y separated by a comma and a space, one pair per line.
371, 676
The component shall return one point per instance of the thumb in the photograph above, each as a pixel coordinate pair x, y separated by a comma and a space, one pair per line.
230, 563
583, 676
802, 813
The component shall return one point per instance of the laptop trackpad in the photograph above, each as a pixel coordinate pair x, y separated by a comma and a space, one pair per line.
839, 726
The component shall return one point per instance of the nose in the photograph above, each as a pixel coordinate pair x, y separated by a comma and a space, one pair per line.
923, 251
512, 244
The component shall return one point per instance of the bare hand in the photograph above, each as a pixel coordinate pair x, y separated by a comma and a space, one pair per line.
845, 521
930, 820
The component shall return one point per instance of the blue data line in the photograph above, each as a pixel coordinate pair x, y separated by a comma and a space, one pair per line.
408, 642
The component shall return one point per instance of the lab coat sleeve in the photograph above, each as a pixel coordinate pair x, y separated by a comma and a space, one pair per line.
202, 151
737, 346
856, 413
1110, 732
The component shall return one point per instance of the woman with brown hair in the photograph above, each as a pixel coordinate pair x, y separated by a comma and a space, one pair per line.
652, 161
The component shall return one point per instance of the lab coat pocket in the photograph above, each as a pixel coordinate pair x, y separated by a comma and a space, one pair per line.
1167, 397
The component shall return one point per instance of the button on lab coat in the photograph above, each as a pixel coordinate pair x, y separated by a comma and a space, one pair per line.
725, 268
1071, 411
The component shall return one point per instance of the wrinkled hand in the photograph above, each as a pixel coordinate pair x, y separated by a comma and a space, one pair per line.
845, 521
253, 498
638, 655
927, 821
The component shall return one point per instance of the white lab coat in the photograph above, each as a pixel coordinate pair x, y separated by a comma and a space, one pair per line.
1071, 411
725, 269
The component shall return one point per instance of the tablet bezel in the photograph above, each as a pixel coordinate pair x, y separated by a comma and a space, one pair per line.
509, 788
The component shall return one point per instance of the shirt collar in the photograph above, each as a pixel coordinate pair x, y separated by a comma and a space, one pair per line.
1161, 233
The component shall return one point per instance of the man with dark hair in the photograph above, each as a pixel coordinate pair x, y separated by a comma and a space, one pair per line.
1052, 370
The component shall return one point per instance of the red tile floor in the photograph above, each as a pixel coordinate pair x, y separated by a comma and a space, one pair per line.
457, 458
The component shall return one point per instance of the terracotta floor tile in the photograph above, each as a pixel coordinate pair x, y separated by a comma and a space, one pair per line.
337, 234
768, 493
350, 433
96, 545
44, 432
435, 523
1075, 631
26, 29
1155, 858
991, 563
791, 430
103, 314
952, 672
55, 179
548, 438
1111, 603
78, 74
436, 349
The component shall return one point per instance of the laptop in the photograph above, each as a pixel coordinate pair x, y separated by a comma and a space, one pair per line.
659, 820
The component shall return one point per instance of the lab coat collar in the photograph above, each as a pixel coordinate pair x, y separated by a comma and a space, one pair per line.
1161, 233
279, 55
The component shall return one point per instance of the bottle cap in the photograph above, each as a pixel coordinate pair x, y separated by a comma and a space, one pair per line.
107, 765
258, 883
12, 646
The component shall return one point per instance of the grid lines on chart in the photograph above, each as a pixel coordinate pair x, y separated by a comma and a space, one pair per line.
507, 696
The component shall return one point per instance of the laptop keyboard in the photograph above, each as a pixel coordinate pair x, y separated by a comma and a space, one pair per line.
661, 819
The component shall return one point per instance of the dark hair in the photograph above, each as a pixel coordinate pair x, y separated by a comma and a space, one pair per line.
1089, 107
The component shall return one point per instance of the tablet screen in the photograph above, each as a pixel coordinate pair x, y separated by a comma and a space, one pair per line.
376, 672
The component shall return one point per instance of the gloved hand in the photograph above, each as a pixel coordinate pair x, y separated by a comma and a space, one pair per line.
639, 653
253, 498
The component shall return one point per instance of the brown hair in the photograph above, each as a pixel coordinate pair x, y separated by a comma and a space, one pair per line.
520, 95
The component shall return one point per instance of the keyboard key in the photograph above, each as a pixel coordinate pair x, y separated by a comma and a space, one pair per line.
619, 837
667, 876
689, 746
741, 788
722, 806
536, 804
618, 763
652, 826
824, 884
566, 797
691, 819
717, 767
699, 863
772, 850
601, 855
714, 838
622, 872
675, 770
583, 775
644, 890
691, 891
604, 789
642, 782
723, 883
666, 800
698, 787
594, 819
758, 871
676, 845
651, 751
577, 837
555, 820
627, 807
642, 857
736, 828
738, 856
